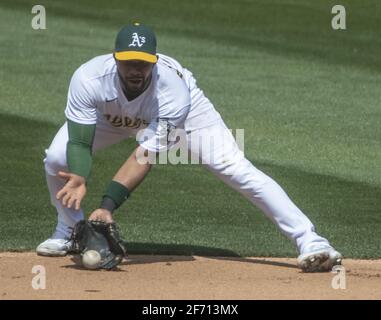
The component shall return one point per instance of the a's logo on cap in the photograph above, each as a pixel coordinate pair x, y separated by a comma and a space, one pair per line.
137, 40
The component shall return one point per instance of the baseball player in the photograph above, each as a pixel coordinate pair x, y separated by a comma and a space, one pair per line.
139, 93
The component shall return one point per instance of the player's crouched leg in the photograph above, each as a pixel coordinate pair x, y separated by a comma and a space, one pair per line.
58, 244
55, 159
54, 162
228, 163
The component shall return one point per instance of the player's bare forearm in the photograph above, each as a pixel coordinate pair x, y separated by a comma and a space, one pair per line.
130, 175
133, 171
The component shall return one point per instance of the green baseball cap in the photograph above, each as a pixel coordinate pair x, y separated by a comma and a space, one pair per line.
136, 42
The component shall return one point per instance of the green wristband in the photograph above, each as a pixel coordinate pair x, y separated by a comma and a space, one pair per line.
117, 192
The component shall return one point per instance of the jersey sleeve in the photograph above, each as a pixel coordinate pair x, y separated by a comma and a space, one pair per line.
81, 107
160, 135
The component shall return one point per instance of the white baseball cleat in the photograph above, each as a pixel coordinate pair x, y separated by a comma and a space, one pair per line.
54, 247
319, 259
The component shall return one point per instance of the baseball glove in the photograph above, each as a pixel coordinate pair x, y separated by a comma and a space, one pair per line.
101, 237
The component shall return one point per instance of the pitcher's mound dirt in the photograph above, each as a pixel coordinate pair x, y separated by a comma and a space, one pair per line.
181, 277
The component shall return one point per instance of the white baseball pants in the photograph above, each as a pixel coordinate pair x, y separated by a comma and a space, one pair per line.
221, 156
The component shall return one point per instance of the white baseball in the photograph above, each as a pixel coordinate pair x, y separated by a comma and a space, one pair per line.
91, 259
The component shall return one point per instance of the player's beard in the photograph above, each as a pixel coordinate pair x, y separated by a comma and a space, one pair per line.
134, 86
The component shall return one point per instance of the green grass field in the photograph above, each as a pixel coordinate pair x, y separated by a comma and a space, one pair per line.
307, 96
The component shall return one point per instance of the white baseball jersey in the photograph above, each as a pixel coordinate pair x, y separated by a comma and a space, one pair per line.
172, 100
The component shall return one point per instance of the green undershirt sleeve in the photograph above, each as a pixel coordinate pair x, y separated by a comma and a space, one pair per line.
79, 148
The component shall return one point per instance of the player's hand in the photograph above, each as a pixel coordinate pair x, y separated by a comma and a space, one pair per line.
73, 191
101, 215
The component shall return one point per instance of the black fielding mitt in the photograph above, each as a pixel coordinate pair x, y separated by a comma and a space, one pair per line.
102, 237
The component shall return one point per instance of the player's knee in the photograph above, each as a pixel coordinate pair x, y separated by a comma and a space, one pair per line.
236, 166
54, 162
248, 176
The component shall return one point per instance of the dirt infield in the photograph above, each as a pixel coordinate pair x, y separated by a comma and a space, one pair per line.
182, 277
